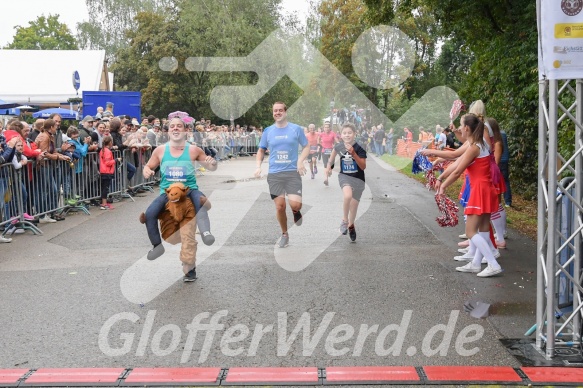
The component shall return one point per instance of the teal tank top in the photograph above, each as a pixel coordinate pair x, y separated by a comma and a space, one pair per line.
180, 169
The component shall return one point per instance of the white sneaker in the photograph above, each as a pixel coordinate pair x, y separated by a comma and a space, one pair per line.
463, 236
464, 257
464, 250
46, 219
489, 271
496, 253
5, 239
469, 268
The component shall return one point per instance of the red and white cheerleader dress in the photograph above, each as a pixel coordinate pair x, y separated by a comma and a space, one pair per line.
483, 195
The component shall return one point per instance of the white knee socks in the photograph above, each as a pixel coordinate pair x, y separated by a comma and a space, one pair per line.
484, 248
499, 222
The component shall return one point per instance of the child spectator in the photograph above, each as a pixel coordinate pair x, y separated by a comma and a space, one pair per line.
78, 152
107, 170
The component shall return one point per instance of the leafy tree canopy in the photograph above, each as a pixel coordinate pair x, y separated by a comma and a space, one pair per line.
44, 33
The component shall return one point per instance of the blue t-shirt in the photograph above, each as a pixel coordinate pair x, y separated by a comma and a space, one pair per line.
283, 144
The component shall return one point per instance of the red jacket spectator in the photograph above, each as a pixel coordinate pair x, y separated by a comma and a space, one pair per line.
15, 129
106, 161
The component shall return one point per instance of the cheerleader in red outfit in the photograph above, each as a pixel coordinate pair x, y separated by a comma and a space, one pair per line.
483, 199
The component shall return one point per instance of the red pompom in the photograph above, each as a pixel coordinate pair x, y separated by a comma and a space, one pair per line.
448, 209
430, 175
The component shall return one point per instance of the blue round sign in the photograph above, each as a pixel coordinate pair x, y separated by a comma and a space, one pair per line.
76, 80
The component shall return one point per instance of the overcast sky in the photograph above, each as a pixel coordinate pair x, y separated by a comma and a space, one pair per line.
19, 13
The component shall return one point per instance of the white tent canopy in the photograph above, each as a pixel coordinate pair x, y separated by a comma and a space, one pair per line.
46, 76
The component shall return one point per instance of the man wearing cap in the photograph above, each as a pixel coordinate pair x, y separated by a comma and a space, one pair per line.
87, 127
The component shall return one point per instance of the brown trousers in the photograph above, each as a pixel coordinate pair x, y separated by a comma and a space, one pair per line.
180, 232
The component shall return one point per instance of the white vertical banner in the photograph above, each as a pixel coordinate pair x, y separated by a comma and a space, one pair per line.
561, 39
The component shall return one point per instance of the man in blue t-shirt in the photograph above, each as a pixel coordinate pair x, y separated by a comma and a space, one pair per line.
286, 169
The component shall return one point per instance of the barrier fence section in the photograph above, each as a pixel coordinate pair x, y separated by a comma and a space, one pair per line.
56, 187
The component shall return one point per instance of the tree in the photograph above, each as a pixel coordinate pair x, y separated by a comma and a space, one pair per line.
45, 33
489, 53
110, 19
226, 28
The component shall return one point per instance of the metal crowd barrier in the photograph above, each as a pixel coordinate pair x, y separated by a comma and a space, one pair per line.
13, 197
138, 159
58, 187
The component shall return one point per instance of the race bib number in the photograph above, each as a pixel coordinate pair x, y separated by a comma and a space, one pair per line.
349, 165
327, 151
282, 157
176, 173
313, 149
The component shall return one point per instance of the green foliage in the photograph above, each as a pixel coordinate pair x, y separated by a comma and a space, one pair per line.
110, 19
489, 52
45, 33
229, 28
504, 76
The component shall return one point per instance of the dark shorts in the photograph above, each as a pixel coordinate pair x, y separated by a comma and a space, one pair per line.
356, 184
287, 182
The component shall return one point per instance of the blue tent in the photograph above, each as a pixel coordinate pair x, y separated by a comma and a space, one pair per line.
66, 114
7, 108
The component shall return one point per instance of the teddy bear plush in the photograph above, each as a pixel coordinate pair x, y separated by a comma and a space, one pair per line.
179, 205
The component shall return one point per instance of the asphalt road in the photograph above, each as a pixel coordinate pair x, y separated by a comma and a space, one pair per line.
83, 295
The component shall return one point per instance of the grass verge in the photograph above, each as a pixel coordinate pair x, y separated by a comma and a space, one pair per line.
522, 216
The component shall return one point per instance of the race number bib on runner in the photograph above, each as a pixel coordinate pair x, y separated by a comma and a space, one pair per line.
327, 151
349, 165
175, 173
313, 149
282, 157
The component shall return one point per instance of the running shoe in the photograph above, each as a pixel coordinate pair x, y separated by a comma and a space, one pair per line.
312, 175
490, 271
344, 227
28, 217
326, 182
464, 250
284, 240
208, 238
190, 276
297, 218
315, 169
501, 245
104, 207
156, 251
109, 207
5, 239
463, 236
352, 233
